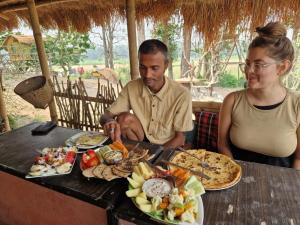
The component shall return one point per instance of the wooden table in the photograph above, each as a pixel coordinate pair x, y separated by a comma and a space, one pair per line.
67, 199
266, 195
47, 200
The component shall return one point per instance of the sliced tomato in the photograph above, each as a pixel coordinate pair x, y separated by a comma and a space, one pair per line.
85, 157
91, 153
92, 162
70, 157
71, 154
89, 159
83, 166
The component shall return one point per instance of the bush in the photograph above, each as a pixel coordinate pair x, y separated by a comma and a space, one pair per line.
86, 75
229, 80
124, 74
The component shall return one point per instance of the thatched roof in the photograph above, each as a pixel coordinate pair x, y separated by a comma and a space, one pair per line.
208, 16
22, 39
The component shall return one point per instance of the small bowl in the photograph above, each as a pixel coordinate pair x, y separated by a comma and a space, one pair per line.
157, 187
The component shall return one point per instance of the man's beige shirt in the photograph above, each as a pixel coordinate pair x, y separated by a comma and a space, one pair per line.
161, 114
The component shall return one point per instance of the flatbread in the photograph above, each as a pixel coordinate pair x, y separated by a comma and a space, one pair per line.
188, 161
137, 154
88, 139
223, 171
108, 174
120, 173
98, 170
126, 165
89, 172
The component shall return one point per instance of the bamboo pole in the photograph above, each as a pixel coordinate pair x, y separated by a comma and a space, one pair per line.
131, 29
41, 52
3, 113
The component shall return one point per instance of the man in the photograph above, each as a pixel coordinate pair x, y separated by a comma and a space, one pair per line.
161, 108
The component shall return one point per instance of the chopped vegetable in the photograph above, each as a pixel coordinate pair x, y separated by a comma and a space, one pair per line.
116, 145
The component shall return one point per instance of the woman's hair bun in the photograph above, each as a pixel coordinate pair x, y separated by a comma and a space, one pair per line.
273, 30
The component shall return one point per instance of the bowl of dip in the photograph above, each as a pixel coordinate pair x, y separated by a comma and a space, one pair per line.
157, 187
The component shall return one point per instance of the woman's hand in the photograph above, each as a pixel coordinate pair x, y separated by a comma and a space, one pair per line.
296, 164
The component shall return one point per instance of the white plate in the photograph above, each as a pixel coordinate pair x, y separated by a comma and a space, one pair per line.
53, 172
198, 221
72, 140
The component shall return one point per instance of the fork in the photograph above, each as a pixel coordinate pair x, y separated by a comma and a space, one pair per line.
202, 164
169, 177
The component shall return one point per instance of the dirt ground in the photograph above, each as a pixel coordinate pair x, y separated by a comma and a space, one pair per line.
22, 112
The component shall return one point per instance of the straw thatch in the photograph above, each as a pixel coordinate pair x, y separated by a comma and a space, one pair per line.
210, 17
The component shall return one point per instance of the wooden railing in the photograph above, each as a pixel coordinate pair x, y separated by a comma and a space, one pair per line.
206, 106
77, 108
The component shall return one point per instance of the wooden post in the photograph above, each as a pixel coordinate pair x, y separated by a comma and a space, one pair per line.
131, 29
41, 52
3, 113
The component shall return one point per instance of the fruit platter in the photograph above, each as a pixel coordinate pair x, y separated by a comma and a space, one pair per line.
53, 161
167, 196
112, 161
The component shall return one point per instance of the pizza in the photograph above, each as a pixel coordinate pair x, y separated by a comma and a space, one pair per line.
222, 170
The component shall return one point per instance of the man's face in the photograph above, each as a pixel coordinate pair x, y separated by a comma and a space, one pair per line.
152, 68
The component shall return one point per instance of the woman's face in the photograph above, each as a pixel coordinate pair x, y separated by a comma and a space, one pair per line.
261, 70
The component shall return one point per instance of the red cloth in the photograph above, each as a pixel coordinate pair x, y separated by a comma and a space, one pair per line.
207, 130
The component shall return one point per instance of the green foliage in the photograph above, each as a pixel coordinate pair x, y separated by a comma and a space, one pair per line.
170, 33
67, 49
228, 80
124, 74
3, 36
86, 75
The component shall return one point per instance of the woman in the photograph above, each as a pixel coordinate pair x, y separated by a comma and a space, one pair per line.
261, 122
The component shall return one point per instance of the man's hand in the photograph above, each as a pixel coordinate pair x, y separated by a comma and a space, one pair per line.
113, 130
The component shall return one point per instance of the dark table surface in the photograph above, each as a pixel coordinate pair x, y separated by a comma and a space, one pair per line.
265, 195
17, 153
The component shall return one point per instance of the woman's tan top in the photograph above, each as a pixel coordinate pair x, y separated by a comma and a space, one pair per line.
269, 132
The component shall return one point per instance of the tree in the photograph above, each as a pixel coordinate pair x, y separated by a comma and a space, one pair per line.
109, 38
66, 49
186, 50
141, 31
3, 36
168, 32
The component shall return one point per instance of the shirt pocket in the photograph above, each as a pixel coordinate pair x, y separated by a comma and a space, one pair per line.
163, 131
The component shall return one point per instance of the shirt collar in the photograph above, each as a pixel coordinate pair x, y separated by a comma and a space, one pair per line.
160, 94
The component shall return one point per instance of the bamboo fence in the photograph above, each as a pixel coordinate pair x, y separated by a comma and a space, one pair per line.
76, 109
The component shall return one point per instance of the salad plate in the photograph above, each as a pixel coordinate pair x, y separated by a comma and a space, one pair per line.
198, 221
165, 196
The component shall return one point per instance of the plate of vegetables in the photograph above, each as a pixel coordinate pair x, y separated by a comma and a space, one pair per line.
169, 201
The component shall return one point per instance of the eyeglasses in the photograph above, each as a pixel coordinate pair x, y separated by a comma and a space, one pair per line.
257, 67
